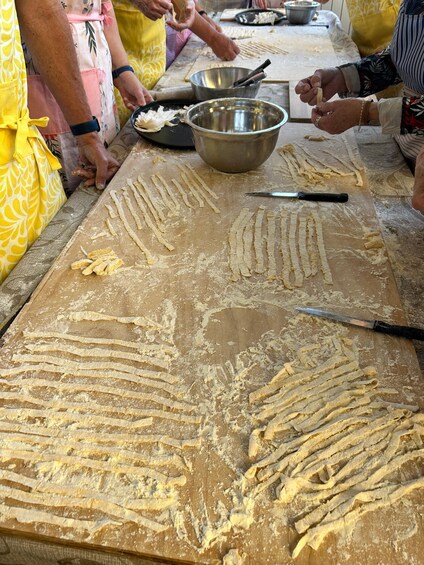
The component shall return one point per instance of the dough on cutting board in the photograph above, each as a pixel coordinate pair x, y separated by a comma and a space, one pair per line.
330, 440
99, 262
233, 557
286, 245
308, 167
252, 49
121, 213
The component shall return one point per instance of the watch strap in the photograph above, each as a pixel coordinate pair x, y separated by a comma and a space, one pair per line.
120, 70
86, 127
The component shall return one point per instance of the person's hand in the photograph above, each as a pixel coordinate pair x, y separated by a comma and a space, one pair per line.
338, 116
132, 91
224, 47
96, 164
331, 81
418, 194
153, 9
185, 12
261, 4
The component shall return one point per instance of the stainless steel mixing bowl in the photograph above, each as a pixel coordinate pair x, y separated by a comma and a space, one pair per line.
235, 135
216, 83
300, 12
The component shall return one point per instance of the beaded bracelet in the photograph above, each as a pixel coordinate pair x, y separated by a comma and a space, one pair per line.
365, 112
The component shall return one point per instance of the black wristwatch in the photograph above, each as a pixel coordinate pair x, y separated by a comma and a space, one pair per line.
120, 70
86, 127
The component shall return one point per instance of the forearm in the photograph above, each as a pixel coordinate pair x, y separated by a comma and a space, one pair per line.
370, 75
203, 29
41, 28
117, 51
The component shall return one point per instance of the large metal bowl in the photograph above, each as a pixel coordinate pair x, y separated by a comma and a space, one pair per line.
216, 83
235, 135
301, 12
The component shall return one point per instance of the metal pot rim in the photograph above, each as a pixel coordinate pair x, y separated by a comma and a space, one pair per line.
244, 134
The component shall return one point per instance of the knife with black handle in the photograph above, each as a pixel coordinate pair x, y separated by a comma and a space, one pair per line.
252, 73
312, 196
401, 331
409, 332
255, 78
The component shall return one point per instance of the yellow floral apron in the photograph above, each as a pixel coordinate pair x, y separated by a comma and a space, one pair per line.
30, 188
373, 22
145, 43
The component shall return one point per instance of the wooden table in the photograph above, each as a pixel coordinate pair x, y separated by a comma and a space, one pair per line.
197, 336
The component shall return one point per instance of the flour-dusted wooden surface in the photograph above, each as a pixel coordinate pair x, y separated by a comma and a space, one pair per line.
77, 454
294, 51
66, 417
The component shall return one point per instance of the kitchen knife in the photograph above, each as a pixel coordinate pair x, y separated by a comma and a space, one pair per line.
376, 325
317, 196
252, 73
255, 78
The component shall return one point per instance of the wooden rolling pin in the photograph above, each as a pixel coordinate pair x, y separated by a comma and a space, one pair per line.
173, 93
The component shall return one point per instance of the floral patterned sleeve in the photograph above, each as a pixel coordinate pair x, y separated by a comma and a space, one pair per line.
373, 74
376, 72
412, 115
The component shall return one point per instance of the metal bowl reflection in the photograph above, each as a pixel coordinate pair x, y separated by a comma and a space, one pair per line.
301, 12
216, 83
235, 135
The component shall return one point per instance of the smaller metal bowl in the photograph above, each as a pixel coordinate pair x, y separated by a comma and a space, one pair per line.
301, 12
235, 135
216, 83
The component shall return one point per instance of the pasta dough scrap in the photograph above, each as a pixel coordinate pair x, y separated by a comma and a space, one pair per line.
98, 262
316, 137
306, 168
233, 557
373, 240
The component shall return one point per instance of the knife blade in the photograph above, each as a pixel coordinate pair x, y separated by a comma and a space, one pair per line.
408, 332
313, 196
